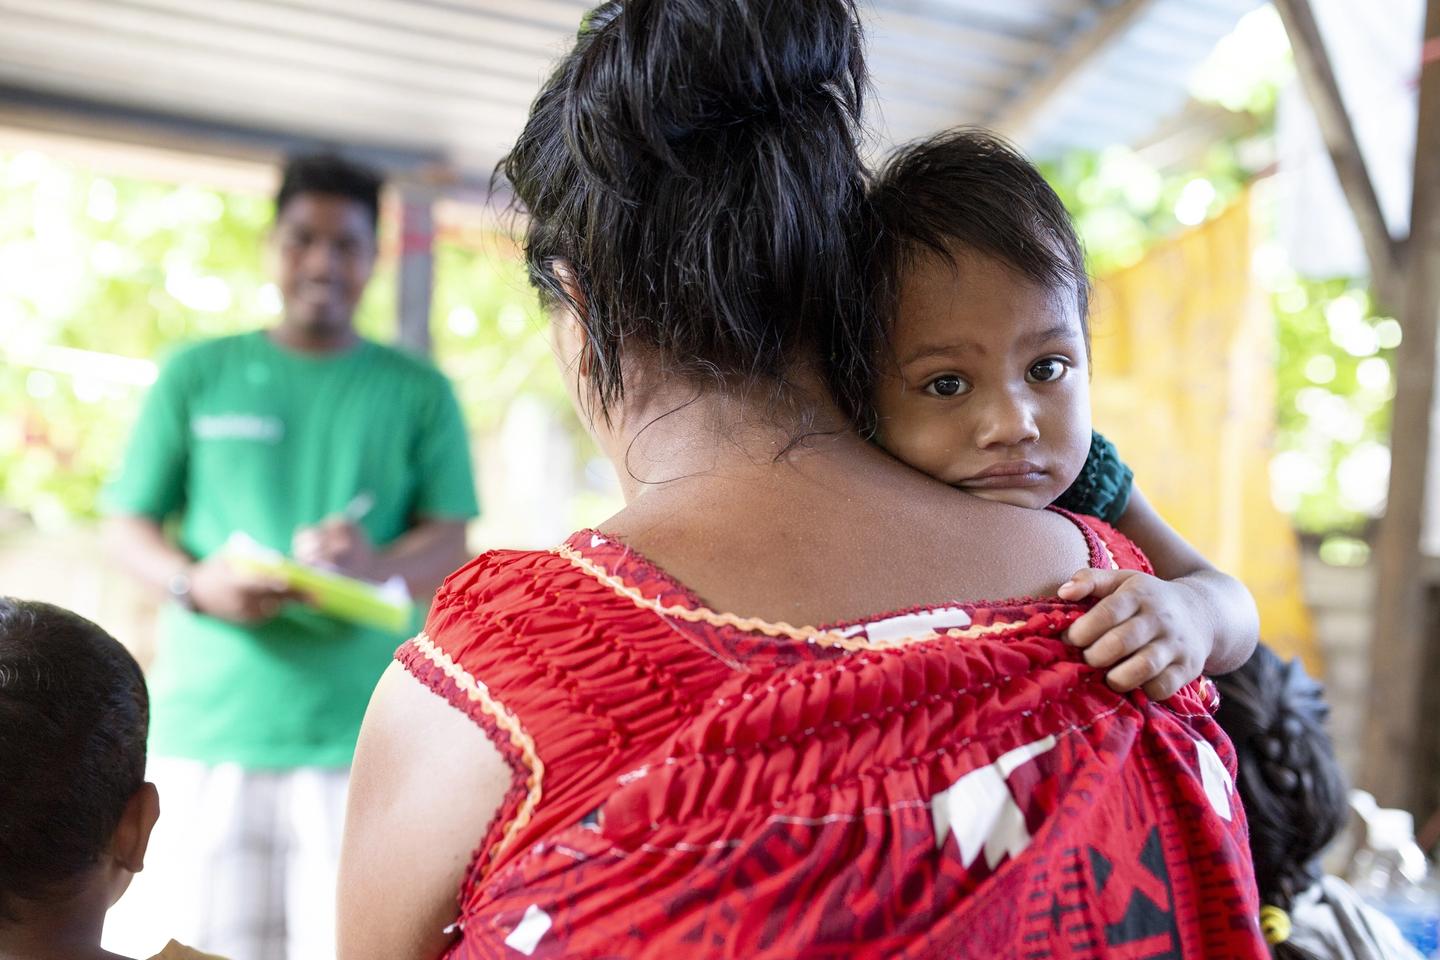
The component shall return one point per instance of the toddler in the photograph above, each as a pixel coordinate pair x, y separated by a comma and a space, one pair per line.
985, 386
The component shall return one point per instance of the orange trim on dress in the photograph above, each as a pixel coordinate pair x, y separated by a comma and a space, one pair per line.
825, 638
505, 720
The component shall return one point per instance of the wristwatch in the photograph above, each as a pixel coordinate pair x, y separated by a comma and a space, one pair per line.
179, 589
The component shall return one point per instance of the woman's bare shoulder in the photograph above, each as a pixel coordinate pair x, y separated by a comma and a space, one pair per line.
425, 786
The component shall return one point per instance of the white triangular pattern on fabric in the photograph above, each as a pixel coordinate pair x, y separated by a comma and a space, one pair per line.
528, 932
1215, 779
973, 806
597, 541
916, 624
1008, 837
1011, 761
981, 811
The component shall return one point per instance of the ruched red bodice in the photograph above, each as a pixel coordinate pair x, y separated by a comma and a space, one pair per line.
948, 782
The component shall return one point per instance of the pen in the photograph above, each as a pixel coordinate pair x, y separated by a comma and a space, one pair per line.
358, 507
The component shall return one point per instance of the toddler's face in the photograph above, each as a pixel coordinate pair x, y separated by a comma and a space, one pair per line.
988, 386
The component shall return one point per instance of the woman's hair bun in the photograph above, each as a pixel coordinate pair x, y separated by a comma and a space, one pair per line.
695, 164
660, 75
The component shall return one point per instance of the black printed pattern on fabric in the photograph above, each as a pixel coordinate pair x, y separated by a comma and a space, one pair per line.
1148, 924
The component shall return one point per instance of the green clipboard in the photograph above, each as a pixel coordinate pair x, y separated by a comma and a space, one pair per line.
385, 606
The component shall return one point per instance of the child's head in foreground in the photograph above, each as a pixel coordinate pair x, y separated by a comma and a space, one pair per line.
987, 382
75, 810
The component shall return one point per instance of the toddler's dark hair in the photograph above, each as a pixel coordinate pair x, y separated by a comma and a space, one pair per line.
73, 719
1290, 783
696, 165
969, 188
332, 174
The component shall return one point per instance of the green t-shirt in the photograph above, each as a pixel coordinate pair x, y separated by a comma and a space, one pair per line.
240, 434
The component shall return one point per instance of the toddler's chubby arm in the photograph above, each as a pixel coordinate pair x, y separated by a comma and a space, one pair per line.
1159, 633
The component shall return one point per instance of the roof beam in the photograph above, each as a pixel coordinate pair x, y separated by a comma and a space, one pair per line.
1015, 17
52, 57
1317, 77
233, 29
85, 118
941, 41
149, 153
1015, 116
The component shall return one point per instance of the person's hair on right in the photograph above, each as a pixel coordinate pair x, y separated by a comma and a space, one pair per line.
968, 188
329, 173
696, 167
74, 715
1290, 783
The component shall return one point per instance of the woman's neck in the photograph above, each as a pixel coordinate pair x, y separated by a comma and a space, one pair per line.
781, 510
676, 432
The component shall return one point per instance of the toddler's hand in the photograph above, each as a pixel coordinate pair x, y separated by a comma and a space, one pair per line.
1148, 631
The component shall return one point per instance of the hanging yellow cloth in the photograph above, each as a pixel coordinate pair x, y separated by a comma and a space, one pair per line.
1184, 387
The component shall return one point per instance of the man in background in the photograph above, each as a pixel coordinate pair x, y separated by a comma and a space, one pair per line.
336, 450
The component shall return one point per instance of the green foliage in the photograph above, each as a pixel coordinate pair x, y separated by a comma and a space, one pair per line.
1335, 383
1121, 204
112, 266
490, 332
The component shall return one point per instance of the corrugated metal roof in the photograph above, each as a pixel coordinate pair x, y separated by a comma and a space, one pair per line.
452, 79
1139, 80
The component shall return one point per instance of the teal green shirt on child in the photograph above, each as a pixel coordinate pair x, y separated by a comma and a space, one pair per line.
241, 435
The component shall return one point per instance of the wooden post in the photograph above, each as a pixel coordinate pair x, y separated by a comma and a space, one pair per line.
1317, 77
416, 266
1399, 766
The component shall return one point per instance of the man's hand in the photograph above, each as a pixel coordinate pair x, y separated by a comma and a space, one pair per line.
339, 544
220, 590
1148, 631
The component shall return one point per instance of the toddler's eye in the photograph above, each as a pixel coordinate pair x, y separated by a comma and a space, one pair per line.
947, 386
1046, 371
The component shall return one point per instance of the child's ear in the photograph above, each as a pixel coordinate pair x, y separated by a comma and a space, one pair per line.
132, 836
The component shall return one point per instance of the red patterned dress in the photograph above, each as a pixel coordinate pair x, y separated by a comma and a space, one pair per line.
940, 782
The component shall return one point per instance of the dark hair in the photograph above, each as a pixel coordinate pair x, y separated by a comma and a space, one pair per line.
1290, 783
332, 174
968, 187
696, 165
73, 719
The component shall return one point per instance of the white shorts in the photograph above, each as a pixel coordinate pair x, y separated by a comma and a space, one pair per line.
243, 863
